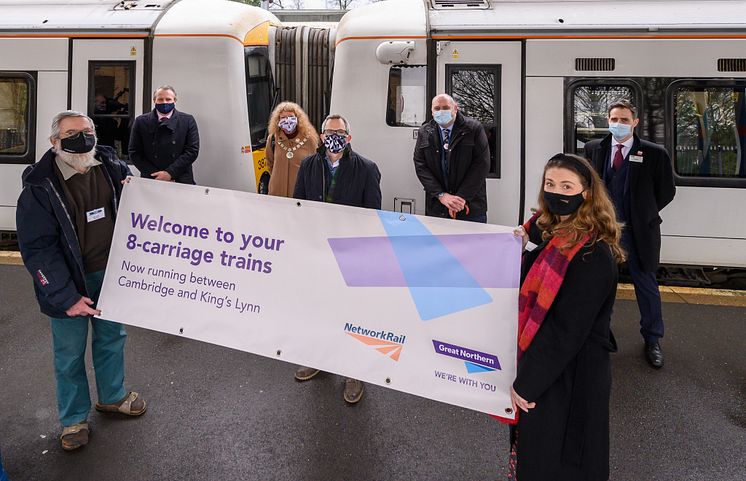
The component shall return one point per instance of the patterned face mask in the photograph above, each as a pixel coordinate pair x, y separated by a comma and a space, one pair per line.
335, 143
288, 124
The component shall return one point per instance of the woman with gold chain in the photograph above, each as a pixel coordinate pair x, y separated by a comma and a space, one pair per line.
291, 138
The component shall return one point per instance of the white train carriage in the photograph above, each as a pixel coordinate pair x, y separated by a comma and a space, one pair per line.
105, 58
539, 75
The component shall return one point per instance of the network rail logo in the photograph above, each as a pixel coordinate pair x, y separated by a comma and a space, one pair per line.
475, 361
444, 274
386, 342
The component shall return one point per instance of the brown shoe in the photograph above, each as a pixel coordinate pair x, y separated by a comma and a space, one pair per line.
305, 373
75, 436
132, 405
353, 390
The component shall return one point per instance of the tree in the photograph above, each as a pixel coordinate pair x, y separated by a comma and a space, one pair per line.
254, 3
339, 4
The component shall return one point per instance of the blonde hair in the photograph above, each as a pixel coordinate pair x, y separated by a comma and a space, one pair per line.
595, 216
305, 128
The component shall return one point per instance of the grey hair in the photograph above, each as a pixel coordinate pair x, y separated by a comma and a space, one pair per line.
333, 117
165, 87
55, 130
445, 96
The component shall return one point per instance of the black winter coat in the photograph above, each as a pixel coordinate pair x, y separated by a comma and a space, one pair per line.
567, 372
651, 188
468, 161
47, 237
172, 145
358, 180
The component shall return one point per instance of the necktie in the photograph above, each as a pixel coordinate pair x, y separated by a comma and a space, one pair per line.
618, 157
444, 155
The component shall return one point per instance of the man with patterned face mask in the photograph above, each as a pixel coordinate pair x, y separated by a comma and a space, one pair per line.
452, 160
639, 177
338, 175
65, 221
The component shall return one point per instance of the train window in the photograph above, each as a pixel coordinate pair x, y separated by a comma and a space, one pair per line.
259, 93
475, 88
590, 103
111, 87
406, 105
709, 123
17, 95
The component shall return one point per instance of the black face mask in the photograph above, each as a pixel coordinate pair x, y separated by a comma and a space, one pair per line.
560, 204
78, 144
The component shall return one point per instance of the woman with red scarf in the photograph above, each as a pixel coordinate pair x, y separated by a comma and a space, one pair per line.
568, 286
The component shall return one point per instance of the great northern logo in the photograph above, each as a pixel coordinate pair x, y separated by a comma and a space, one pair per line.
476, 361
386, 342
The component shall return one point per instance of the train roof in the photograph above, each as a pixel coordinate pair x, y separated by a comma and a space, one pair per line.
81, 14
168, 17
541, 17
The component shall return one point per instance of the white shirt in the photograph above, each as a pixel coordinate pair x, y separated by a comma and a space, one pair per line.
625, 150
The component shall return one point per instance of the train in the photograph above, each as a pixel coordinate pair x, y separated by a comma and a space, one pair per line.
539, 75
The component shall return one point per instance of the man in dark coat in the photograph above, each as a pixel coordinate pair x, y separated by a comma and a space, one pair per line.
639, 177
165, 142
338, 175
452, 159
65, 220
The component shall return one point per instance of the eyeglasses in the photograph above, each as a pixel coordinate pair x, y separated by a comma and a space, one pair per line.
338, 132
73, 133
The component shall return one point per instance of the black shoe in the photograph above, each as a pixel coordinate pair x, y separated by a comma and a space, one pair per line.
654, 354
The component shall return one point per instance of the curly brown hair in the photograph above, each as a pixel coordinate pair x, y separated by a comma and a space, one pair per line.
595, 216
305, 128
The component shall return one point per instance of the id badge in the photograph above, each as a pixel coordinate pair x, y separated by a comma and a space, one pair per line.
95, 214
636, 158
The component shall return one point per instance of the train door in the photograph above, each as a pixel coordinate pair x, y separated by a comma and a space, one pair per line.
106, 82
485, 80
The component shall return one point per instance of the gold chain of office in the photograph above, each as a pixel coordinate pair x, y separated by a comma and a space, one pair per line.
289, 150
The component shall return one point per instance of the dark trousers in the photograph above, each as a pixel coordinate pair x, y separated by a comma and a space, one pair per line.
647, 293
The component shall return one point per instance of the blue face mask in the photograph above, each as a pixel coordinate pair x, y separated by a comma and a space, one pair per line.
620, 131
443, 117
165, 108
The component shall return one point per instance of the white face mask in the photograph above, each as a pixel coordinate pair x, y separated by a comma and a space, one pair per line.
289, 124
620, 131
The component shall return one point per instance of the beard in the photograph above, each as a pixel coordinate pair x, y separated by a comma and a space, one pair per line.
79, 162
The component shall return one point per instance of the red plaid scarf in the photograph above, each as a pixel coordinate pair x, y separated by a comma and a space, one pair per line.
541, 285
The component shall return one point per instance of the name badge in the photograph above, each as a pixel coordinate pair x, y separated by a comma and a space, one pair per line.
635, 158
530, 246
95, 214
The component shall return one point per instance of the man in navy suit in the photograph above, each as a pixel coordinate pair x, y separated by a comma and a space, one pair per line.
165, 142
639, 177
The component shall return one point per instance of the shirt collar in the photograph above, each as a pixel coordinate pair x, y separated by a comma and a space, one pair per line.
329, 162
627, 143
65, 169
164, 116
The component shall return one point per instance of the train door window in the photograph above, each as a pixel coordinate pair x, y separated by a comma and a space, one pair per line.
259, 92
111, 87
589, 102
407, 103
475, 89
709, 128
17, 98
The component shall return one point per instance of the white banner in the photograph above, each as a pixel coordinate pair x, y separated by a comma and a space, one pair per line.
418, 304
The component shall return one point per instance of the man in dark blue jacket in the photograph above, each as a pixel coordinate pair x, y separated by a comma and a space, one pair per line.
639, 177
338, 175
65, 221
165, 142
